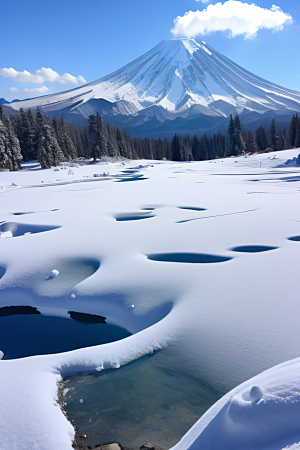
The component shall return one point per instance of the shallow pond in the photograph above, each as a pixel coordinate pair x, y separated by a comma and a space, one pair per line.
27, 335
138, 403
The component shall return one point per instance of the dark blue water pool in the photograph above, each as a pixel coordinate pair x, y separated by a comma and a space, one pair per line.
35, 334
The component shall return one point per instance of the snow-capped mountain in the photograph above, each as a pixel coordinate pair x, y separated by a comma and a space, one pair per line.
178, 77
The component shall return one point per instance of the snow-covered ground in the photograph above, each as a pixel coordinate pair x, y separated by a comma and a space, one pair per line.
209, 274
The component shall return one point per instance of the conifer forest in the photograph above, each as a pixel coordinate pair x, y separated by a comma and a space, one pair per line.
32, 136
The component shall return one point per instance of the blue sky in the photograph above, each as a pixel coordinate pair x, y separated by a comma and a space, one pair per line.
90, 39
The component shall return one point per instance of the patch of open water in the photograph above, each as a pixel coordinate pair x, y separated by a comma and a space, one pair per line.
27, 335
138, 403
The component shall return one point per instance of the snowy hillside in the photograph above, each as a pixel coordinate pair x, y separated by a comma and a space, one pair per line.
174, 76
199, 260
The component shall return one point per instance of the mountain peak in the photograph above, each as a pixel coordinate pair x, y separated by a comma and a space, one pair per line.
175, 75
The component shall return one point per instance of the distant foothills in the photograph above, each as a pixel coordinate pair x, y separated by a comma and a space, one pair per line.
29, 136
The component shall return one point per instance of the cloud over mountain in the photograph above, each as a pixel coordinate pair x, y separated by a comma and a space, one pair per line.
40, 76
235, 16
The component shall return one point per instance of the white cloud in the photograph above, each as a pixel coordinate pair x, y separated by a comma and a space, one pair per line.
203, 1
13, 89
40, 76
41, 89
235, 16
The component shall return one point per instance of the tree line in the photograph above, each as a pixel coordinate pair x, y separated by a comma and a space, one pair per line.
32, 136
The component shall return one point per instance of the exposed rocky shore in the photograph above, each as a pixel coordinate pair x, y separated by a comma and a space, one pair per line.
79, 444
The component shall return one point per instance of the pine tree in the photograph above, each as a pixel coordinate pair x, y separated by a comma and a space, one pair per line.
5, 162
204, 148
230, 138
93, 147
293, 129
250, 144
175, 149
112, 144
238, 142
273, 134
15, 149
127, 142
285, 138
261, 138
49, 152
195, 148
64, 140
85, 141
211, 149
121, 144
10, 150
26, 135
297, 133
166, 149
220, 145
101, 136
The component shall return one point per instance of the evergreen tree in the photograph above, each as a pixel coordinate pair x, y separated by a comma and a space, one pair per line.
55, 126
238, 142
175, 149
29, 145
230, 138
293, 129
185, 148
14, 147
211, 149
166, 149
127, 142
195, 148
121, 144
220, 145
297, 133
10, 150
64, 141
204, 148
93, 146
273, 134
250, 144
285, 138
261, 138
49, 152
85, 142
158, 149
101, 136
5, 162
112, 145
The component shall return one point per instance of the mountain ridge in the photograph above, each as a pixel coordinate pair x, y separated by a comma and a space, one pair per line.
177, 78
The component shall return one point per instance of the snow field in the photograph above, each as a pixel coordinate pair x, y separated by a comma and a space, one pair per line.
223, 321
